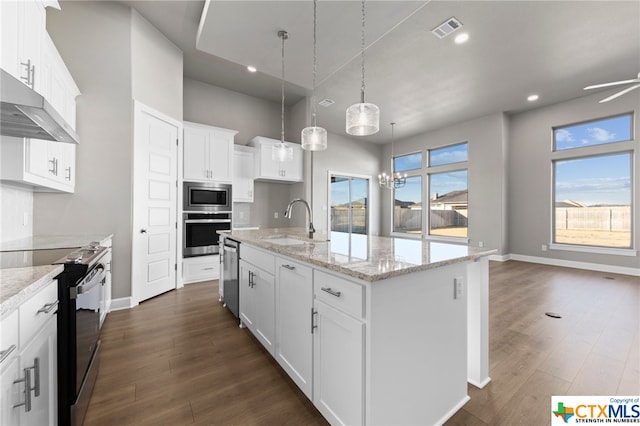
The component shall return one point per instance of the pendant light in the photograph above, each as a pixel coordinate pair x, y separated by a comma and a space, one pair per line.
314, 138
363, 119
280, 151
392, 181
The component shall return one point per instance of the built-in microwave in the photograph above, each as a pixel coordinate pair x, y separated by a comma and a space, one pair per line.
206, 197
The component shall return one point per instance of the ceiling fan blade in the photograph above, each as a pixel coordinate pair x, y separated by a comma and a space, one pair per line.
620, 93
613, 83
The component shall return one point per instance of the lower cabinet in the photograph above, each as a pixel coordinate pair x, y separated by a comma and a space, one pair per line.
39, 361
257, 303
338, 366
28, 364
200, 268
294, 322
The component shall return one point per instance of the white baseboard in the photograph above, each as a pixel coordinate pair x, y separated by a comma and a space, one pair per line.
481, 384
578, 265
122, 303
453, 411
500, 257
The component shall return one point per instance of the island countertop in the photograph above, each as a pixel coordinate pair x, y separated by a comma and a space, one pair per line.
369, 258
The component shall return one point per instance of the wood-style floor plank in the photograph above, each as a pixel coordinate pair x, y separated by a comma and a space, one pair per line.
180, 358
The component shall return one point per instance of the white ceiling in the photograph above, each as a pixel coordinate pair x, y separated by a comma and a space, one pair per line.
516, 48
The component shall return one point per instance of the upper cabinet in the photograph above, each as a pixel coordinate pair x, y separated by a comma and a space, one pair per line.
243, 170
208, 153
29, 54
270, 170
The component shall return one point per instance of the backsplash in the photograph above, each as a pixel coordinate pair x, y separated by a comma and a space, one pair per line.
17, 213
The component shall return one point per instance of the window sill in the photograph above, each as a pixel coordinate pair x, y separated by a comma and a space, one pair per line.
406, 235
457, 240
597, 250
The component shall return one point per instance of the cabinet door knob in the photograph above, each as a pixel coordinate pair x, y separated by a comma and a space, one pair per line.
143, 231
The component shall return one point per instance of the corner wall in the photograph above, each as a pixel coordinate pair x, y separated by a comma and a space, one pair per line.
530, 176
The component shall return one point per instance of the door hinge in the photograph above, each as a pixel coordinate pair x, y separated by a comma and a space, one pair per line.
177, 142
175, 266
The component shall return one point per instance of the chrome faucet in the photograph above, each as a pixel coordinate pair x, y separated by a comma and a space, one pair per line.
287, 214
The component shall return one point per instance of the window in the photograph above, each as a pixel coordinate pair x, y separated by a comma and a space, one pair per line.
592, 183
349, 204
448, 191
407, 207
448, 204
405, 163
599, 132
448, 155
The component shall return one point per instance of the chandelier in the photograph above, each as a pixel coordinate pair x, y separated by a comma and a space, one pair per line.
393, 180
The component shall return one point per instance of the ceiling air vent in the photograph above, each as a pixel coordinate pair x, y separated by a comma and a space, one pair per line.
326, 102
447, 27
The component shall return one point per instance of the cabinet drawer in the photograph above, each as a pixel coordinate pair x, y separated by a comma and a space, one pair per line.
259, 258
344, 295
201, 268
37, 311
8, 337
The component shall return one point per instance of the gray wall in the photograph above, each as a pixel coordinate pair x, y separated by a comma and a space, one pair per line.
350, 156
95, 41
486, 178
530, 175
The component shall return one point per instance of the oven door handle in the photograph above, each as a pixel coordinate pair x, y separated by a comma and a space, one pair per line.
207, 221
230, 249
85, 287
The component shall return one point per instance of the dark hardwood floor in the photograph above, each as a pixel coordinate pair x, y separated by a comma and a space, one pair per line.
181, 359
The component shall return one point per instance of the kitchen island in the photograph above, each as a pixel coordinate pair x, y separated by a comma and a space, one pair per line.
374, 330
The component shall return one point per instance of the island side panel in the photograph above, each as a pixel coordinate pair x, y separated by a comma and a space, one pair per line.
417, 348
478, 322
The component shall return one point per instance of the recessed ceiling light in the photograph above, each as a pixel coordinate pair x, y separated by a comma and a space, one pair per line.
326, 102
251, 68
533, 98
461, 38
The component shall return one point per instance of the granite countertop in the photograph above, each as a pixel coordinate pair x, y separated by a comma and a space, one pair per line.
46, 242
368, 258
19, 284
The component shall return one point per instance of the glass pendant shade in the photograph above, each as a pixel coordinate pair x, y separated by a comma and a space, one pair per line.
363, 119
314, 138
281, 152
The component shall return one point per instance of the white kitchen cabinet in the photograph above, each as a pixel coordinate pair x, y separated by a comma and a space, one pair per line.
208, 153
257, 295
23, 26
243, 173
200, 268
29, 337
43, 165
57, 84
270, 170
294, 322
105, 296
338, 350
39, 357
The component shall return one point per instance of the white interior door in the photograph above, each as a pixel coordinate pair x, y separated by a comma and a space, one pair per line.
155, 160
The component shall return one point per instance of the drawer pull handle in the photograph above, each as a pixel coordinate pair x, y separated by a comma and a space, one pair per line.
207, 269
27, 390
289, 267
331, 292
48, 307
4, 354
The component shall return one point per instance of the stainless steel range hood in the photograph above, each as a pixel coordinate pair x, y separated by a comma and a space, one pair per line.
26, 113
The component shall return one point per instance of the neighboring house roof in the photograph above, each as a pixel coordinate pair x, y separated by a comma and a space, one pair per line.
453, 197
569, 203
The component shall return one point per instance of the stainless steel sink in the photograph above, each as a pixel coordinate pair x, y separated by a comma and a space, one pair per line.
285, 240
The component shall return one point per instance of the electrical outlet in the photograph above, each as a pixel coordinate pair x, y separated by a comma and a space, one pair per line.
241, 215
544, 247
275, 215
480, 243
458, 287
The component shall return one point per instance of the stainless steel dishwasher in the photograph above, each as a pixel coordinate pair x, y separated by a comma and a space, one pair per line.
230, 295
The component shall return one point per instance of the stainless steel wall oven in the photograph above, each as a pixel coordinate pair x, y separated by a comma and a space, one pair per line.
200, 232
